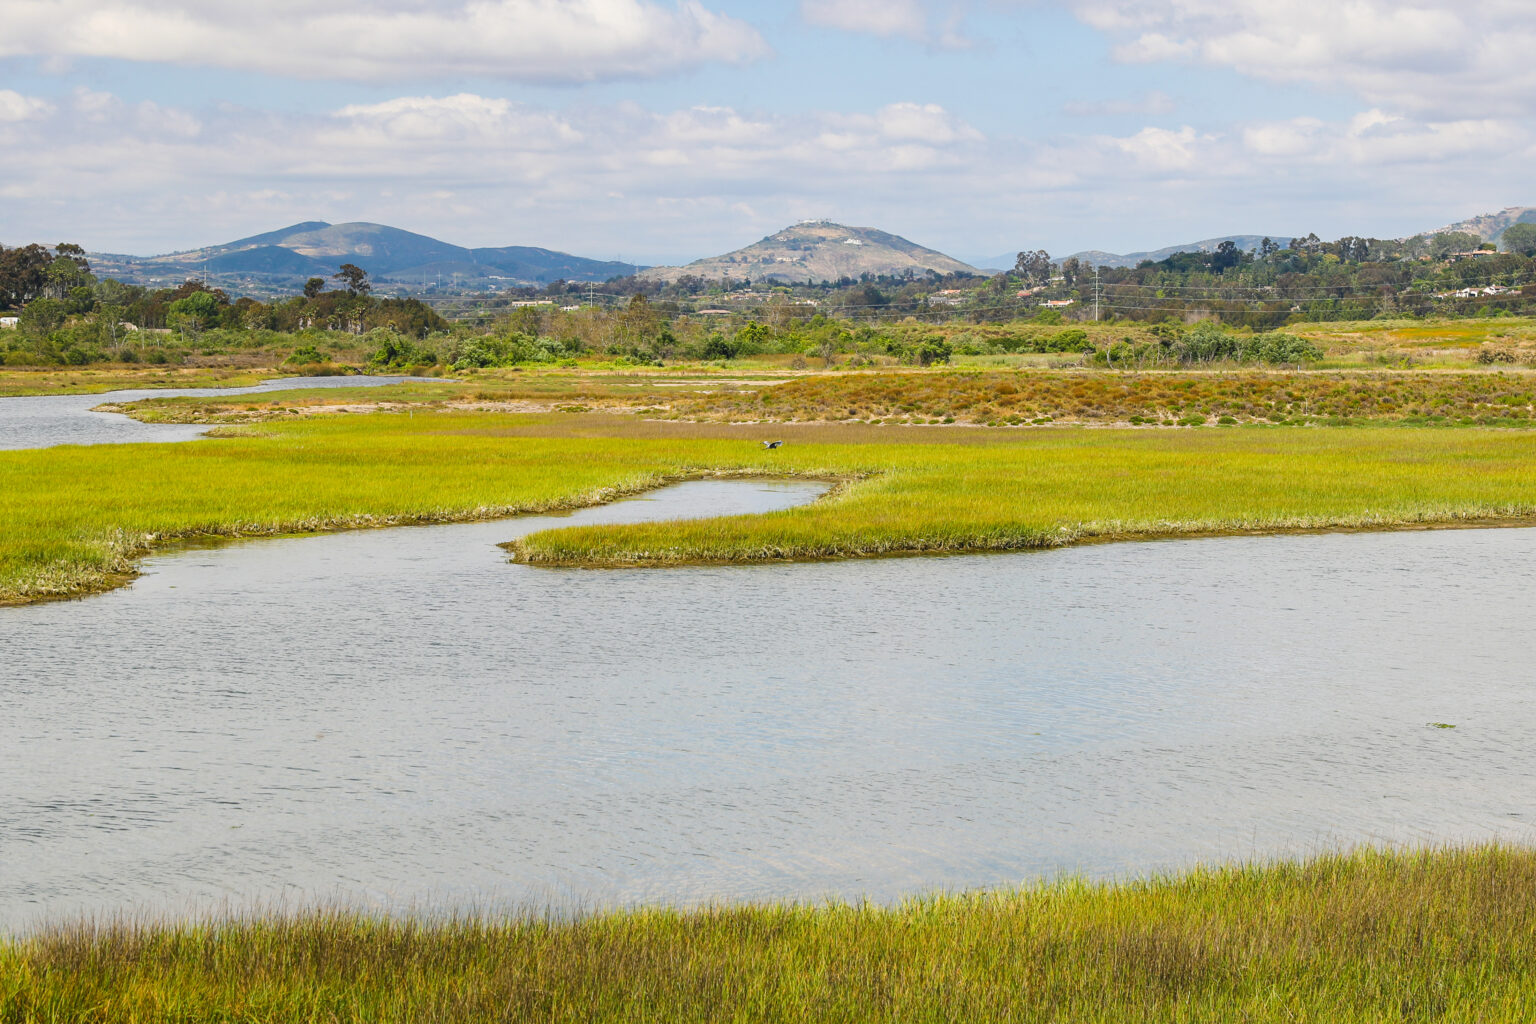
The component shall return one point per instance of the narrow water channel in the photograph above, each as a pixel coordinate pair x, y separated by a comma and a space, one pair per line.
401, 720
42, 421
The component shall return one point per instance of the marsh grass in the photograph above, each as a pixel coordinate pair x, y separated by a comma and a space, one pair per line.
76, 519
1343, 938
84, 380
1021, 398
1005, 399
979, 490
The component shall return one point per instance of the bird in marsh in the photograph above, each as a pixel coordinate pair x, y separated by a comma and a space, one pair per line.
773, 444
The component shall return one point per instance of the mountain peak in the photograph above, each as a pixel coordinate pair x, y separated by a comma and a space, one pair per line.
274, 237
819, 250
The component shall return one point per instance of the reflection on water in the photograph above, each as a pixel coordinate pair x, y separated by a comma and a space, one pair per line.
43, 421
401, 719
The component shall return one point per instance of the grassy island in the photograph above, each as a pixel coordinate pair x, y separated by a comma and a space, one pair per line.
77, 518
1359, 938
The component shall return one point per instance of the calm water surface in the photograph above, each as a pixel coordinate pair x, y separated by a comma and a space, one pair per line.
43, 421
399, 719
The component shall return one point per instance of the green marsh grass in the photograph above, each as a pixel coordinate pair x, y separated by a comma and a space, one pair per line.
74, 519
1351, 938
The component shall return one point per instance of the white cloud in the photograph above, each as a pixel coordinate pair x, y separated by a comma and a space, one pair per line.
1152, 103
601, 181
1162, 150
933, 22
459, 119
1282, 138
1154, 46
522, 40
16, 107
95, 105
927, 122
872, 17
1448, 58
156, 120
1378, 141
515, 173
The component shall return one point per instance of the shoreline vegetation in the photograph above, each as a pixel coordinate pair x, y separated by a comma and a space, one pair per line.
976, 397
79, 518
1359, 936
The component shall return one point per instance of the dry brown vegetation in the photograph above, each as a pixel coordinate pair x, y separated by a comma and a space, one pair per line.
1010, 398
1034, 397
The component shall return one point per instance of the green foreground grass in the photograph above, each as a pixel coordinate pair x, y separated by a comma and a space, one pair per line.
75, 518
1359, 937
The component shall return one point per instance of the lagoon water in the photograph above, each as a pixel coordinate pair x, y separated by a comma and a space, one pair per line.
400, 719
43, 421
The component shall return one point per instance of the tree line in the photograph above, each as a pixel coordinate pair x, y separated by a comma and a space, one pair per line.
67, 316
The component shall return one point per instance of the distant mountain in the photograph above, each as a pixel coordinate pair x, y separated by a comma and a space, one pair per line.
818, 251
287, 257
1491, 226
263, 259
273, 237
1100, 258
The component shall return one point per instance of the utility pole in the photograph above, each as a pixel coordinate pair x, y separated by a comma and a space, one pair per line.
1095, 294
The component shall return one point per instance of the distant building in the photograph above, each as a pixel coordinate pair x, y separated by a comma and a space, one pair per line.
1474, 292
9, 322
1056, 303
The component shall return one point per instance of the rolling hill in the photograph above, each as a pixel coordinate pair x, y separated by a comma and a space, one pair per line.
818, 251
1491, 226
285, 258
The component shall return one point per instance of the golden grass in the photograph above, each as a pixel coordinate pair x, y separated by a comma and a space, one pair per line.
1369, 335
80, 380
995, 398
1352, 938
76, 518
1156, 399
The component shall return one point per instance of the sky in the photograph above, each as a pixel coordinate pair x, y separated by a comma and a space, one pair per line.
656, 131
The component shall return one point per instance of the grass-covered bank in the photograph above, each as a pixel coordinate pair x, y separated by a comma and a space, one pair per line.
74, 519
95, 380
1359, 937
